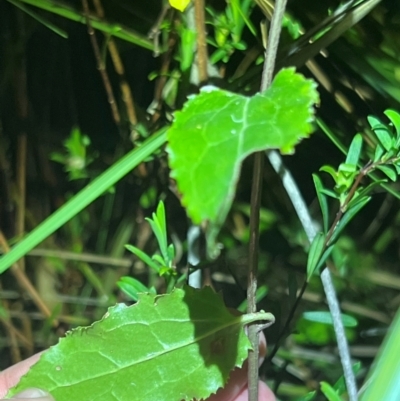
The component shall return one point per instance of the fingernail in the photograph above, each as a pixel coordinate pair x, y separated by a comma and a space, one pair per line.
31, 393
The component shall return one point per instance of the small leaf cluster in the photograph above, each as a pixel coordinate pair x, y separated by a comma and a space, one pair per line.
75, 159
348, 191
228, 27
162, 263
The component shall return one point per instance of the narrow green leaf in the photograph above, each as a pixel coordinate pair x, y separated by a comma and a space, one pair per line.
83, 198
217, 129
144, 257
340, 385
388, 171
159, 259
382, 132
315, 253
40, 19
171, 252
350, 213
379, 152
324, 257
355, 150
326, 318
323, 202
330, 193
331, 171
383, 381
119, 31
308, 397
329, 392
132, 287
394, 117
180, 346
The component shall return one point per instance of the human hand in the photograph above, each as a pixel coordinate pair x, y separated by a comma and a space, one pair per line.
235, 390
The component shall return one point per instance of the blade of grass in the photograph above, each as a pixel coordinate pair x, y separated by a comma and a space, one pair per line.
40, 19
83, 198
117, 30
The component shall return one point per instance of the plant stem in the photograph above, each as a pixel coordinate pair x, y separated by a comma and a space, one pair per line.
252, 273
101, 66
306, 221
202, 56
268, 72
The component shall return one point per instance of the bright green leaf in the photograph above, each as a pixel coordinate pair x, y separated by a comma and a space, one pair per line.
382, 132
383, 382
217, 129
394, 117
143, 256
379, 152
131, 287
330, 170
326, 318
308, 397
388, 171
329, 392
354, 153
314, 255
180, 346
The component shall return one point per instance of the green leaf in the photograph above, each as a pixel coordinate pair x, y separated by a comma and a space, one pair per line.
382, 132
217, 129
323, 202
314, 255
308, 397
109, 29
354, 153
383, 382
326, 318
388, 171
394, 117
132, 287
323, 258
144, 257
331, 171
180, 346
379, 152
329, 392
340, 385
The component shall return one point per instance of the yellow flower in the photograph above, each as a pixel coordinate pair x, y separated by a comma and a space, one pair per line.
179, 4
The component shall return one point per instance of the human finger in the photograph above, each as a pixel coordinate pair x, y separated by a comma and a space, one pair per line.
238, 378
10, 376
264, 393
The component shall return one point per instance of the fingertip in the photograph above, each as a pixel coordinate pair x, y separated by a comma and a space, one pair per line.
264, 393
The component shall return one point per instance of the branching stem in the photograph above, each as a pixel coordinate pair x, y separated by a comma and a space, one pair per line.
268, 72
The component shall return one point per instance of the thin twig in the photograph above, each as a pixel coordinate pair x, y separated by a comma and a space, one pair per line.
202, 56
101, 65
126, 92
268, 71
253, 331
25, 283
306, 221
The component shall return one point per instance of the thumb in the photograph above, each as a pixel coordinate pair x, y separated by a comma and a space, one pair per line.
33, 394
